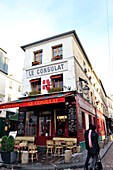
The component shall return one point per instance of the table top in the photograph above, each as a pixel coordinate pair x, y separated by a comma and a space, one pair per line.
19, 146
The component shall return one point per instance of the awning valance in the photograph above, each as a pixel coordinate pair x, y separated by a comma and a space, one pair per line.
33, 101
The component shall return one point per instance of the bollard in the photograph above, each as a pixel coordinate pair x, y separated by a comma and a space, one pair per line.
25, 157
78, 149
105, 141
101, 144
67, 156
108, 138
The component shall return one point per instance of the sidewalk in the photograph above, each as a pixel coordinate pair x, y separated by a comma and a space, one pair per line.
55, 162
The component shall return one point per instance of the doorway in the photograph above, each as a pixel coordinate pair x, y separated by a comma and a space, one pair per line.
44, 128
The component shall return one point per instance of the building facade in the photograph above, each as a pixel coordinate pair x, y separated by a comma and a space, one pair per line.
61, 91
10, 89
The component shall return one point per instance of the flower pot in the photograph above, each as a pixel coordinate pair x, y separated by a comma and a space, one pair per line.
9, 157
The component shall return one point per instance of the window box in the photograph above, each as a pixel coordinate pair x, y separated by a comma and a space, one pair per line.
35, 63
32, 93
56, 89
85, 70
57, 57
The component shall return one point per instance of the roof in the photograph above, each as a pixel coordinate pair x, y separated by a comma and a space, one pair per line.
57, 36
3, 50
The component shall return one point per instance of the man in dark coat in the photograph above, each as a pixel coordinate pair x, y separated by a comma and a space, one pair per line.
87, 147
94, 149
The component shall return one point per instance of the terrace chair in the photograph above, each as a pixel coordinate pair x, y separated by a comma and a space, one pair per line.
50, 146
70, 146
32, 151
58, 147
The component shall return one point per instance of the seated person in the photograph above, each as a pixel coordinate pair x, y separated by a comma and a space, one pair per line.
59, 132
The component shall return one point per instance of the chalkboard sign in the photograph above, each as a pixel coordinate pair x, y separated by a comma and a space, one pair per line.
21, 121
80, 119
72, 127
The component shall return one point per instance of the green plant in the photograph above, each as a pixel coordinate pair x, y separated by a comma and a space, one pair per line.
3, 143
34, 93
56, 89
7, 143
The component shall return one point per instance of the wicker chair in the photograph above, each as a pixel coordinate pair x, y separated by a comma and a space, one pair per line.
58, 147
32, 151
50, 146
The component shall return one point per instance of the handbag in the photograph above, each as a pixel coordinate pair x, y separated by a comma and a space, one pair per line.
99, 164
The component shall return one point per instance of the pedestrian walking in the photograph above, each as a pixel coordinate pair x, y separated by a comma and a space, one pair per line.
93, 148
87, 147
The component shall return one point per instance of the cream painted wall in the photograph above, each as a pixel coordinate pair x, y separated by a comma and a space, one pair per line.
69, 78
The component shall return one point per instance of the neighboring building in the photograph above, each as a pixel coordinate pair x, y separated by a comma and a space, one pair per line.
110, 114
3, 61
59, 65
10, 89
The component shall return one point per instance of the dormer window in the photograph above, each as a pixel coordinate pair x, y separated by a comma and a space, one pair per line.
37, 58
57, 52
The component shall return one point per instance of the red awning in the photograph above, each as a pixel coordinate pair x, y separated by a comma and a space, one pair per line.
41, 100
34, 80
55, 77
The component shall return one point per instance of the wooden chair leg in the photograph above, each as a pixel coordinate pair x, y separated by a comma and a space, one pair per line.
36, 156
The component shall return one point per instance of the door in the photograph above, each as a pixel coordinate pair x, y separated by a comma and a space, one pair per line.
44, 129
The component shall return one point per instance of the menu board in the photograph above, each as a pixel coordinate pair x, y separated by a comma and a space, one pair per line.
72, 127
80, 119
21, 121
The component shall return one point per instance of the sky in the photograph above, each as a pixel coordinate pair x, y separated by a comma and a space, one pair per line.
25, 21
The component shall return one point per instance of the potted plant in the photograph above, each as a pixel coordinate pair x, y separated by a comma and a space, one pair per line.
7, 149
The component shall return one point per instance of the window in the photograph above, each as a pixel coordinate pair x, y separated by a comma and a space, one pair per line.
9, 97
36, 84
57, 81
31, 123
37, 58
19, 88
10, 84
57, 52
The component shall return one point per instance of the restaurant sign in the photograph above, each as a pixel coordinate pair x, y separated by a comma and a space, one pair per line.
86, 106
34, 103
46, 69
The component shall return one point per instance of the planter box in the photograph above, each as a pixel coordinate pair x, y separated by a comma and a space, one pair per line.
9, 157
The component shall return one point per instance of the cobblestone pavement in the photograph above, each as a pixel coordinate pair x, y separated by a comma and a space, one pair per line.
107, 160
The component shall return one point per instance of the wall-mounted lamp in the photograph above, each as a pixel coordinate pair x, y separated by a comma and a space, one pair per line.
86, 89
66, 103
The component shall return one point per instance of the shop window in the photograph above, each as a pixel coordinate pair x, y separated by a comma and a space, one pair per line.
83, 120
61, 119
57, 81
31, 123
90, 119
94, 120
72, 126
57, 52
37, 58
80, 120
36, 85
41, 126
